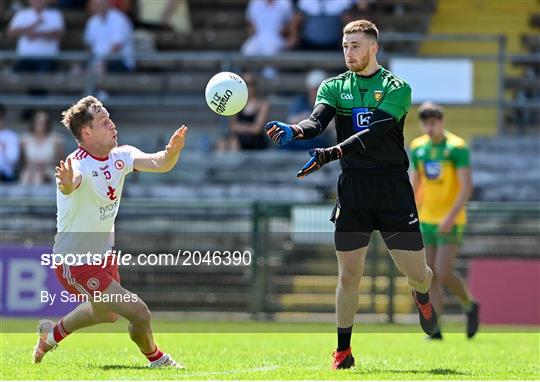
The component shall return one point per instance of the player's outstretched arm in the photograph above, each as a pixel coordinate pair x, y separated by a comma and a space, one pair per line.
67, 179
283, 133
165, 160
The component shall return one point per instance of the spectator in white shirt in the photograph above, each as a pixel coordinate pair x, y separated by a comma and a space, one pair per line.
38, 31
110, 32
9, 150
268, 23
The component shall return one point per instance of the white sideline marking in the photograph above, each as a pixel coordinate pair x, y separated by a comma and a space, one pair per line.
255, 369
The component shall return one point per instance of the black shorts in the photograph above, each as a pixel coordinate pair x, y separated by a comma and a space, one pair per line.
376, 199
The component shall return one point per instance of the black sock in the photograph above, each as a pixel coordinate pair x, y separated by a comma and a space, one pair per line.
344, 338
423, 298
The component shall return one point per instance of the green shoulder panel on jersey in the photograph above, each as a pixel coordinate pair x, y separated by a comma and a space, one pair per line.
391, 81
340, 77
397, 102
330, 89
398, 93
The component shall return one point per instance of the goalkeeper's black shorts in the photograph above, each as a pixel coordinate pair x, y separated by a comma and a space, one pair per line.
376, 199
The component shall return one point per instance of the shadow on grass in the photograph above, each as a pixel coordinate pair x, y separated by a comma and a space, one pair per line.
401, 371
446, 372
123, 367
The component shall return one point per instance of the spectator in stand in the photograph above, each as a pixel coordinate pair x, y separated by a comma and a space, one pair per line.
302, 108
41, 150
9, 150
246, 129
38, 31
318, 24
268, 23
110, 32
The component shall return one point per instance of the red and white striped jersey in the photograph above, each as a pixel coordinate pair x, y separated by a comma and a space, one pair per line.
85, 218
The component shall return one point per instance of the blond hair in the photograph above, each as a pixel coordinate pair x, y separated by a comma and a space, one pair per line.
80, 114
362, 26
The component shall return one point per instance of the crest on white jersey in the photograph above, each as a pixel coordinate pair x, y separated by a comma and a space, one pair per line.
119, 164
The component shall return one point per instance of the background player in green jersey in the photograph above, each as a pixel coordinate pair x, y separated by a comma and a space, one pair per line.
442, 184
369, 104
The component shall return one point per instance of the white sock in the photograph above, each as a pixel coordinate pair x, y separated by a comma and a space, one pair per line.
50, 339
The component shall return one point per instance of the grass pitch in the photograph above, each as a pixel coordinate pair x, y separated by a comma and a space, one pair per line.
259, 351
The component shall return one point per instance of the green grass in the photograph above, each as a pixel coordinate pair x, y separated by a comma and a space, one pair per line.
213, 351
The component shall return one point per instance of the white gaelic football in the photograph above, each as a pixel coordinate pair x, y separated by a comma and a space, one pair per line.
226, 93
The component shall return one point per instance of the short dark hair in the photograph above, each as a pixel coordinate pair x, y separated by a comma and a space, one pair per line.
80, 114
2, 111
430, 110
362, 26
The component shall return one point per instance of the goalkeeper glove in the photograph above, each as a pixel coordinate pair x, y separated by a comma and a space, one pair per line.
282, 134
319, 157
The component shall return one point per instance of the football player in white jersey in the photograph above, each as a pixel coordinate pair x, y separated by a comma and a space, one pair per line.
90, 185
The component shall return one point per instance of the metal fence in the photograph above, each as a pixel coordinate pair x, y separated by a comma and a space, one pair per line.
291, 265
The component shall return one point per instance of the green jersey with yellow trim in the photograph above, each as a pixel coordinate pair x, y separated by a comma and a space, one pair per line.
437, 165
355, 98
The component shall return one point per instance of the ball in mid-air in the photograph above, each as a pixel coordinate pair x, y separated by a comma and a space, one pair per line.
226, 93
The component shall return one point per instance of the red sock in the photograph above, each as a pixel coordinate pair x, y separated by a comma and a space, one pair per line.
60, 332
153, 356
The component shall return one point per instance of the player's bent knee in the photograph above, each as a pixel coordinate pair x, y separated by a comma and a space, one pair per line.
351, 266
348, 279
143, 314
138, 313
421, 281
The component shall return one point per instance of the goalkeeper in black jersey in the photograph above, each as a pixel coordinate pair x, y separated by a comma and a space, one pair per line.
369, 104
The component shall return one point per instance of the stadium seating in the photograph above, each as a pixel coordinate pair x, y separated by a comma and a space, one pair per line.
517, 24
175, 86
506, 168
526, 87
209, 200
257, 176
